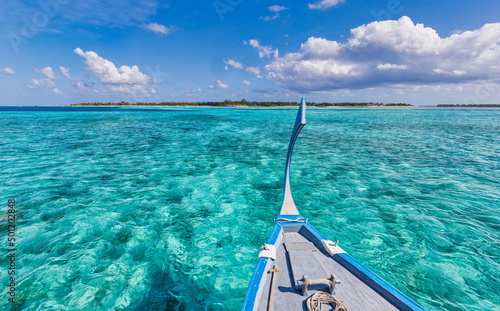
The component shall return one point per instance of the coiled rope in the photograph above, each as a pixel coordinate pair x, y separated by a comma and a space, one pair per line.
315, 301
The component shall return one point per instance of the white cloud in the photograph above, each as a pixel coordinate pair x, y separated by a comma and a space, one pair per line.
391, 66
222, 85
64, 72
453, 72
270, 17
219, 85
390, 53
246, 82
254, 70
106, 71
274, 9
47, 81
324, 4
57, 91
161, 29
277, 8
233, 63
47, 72
126, 79
264, 51
8, 71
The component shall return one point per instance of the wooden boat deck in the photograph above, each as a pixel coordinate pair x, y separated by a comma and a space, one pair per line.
298, 256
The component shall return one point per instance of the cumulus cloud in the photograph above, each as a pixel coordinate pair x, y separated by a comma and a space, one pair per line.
47, 81
64, 72
246, 82
222, 85
126, 79
233, 63
8, 71
106, 71
264, 51
390, 53
161, 29
219, 85
276, 9
47, 72
254, 70
324, 4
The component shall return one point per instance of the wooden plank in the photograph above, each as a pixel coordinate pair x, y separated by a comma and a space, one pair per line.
300, 246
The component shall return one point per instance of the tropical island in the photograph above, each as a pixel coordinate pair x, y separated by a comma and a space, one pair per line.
245, 103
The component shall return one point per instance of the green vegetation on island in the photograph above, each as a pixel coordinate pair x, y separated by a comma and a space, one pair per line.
245, 103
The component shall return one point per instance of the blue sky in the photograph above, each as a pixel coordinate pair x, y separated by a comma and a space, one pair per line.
56, 52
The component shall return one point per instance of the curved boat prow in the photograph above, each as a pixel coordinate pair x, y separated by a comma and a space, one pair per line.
288, 207
312, 264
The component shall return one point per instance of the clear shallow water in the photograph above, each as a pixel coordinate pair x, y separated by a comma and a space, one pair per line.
146, 209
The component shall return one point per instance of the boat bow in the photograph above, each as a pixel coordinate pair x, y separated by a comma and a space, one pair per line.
298, 259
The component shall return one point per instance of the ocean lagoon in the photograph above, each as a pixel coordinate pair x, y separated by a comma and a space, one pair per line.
165, 208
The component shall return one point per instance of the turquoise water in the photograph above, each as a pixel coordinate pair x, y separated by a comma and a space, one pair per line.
164, 209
